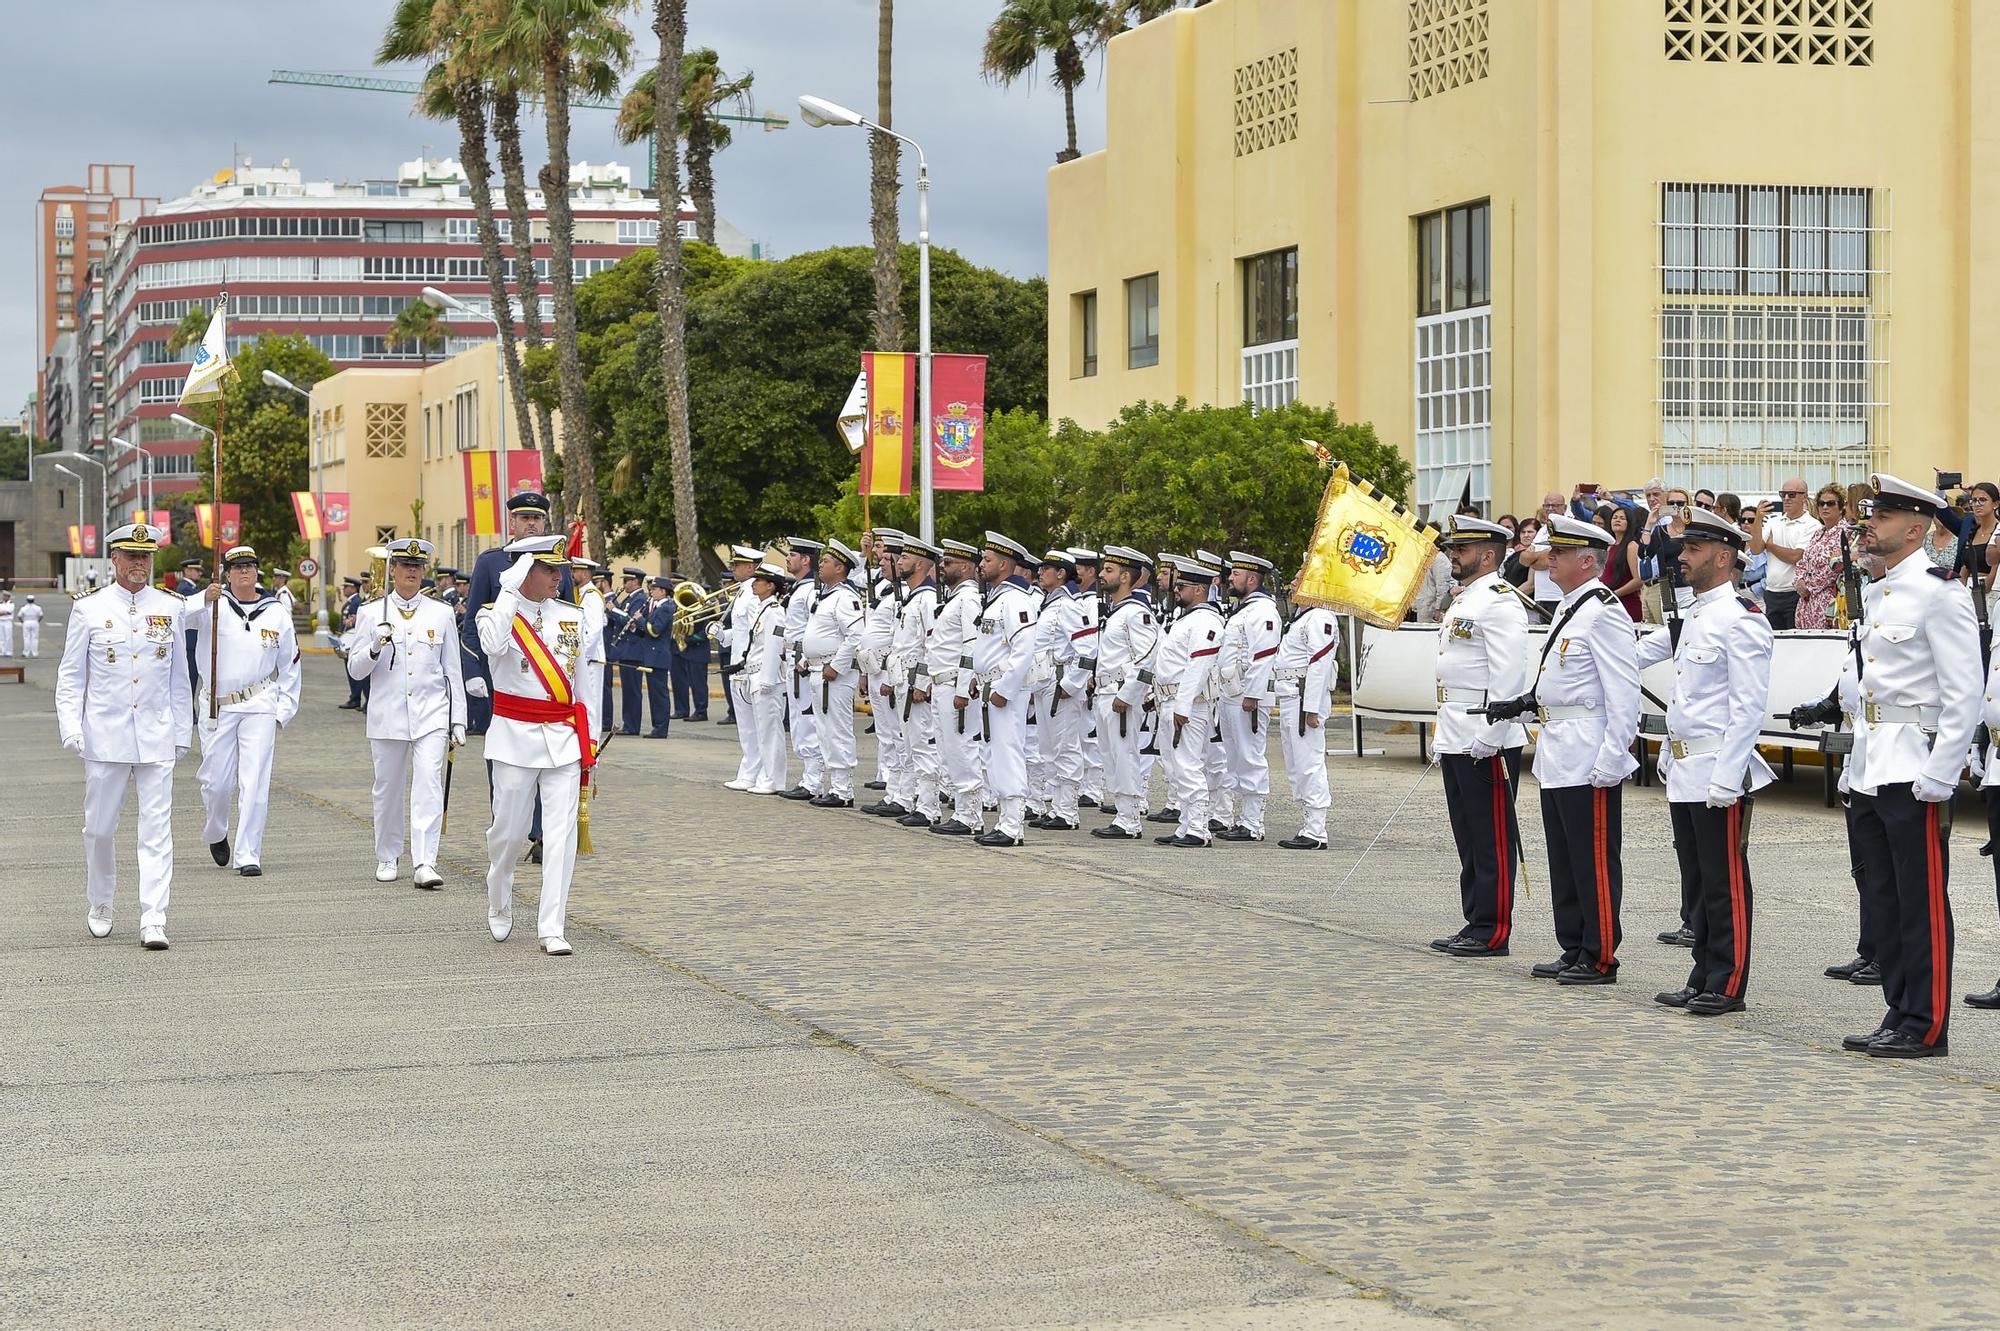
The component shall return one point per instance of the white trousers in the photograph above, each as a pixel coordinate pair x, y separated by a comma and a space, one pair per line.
1245, 736
103, 800
1122, 785
892, 745
1007, 762
410, 773
958, 757
924, 777
836, 733
1060, 734
1187, 764
31, 639
7, 638
1092, 746
514, 791
801, 694
746, 727
1305, 766
768, 769
1215, 762
236, 762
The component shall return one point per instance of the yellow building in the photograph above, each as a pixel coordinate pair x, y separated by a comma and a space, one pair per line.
1539, 242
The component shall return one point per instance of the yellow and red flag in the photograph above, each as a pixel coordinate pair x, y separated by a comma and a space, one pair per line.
306, 505
886, 453
231, 523
485, 506
1367, 555
958, 422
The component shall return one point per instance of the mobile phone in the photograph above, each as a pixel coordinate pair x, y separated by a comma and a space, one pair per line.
1950, 480
1588, 488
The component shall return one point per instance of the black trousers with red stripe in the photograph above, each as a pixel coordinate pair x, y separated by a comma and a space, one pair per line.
1711, 844
1903, 847
1479, 795
1864, 943
1586, 881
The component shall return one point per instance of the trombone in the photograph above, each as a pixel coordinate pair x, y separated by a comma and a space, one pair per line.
694, 608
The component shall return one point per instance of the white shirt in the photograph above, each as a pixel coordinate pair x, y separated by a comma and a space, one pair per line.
1919, 648
743, 607
1058, 623
256, 643
1792, 533
123, 682
1434, 594
952, 631
1545, 581
418, 682
1722, 680
1126, 637
31, 613
1590, 661
1003, 648
762, 624
1482, 651
1250, 637
1187, 660
833, 629
878, 628
1309, 657
913, 631
564, 630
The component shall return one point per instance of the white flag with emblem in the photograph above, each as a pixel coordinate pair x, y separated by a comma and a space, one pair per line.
211, 358
854, 416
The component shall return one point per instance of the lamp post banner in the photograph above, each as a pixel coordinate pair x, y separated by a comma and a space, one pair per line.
958, 422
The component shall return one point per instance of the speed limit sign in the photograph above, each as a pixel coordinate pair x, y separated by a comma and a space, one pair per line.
308, 568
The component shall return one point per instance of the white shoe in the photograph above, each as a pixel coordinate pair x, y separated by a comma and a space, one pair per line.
385, 871
500, 926
98, 922
153, 938
556, 947
738, 784
428, 878
763, 790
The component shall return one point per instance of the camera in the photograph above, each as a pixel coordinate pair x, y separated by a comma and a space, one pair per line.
1951, 480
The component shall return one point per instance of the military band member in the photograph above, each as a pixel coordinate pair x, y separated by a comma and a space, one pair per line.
689, 670
256, 686
908, 677
1587, 699
826, 668
1920, 684
1060, 682
946, 673
124, 705
407, 645
350, 607
1185, 687
993, 684
656, 652
736, 662
543, 738
768, 676
30, 617
801, 565
628, 618
1250, 638
1482, 658
881, 617
1122, 668
1090, 793
1308, 666
1722, 679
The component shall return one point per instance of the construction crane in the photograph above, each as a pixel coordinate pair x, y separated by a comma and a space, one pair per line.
409, 88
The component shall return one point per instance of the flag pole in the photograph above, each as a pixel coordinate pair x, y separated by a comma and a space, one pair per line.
215, 528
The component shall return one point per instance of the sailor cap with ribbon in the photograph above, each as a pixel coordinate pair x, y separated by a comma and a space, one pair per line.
921, 549
1195, 570
1061, 557
1703, 525
1085, 557
409, 550
141, 538
552, 549
957, 550
802, 545
1009, 547
1567, 533
1892, 494
1126, 557
890, 539
238, 554
1467, 530
745, 554
1243, 559
843, 554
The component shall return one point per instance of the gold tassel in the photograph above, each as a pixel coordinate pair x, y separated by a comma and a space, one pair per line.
583, 846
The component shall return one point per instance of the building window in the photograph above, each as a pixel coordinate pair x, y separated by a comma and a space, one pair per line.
1447, 45
465, 418
1271, 297
641, 231
387, 429
1765, 240
1267, 102
1454, 259
1083, 335
1142, 321
1772, 32
1454, 380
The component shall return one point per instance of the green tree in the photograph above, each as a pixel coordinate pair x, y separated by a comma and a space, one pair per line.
705, 90
14, 447
1069, 32
190, 330
419, 325
264, 443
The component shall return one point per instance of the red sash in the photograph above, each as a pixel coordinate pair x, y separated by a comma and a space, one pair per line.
561, 707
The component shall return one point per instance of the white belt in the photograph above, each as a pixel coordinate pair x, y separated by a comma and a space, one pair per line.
1111, 679
1166, 692
1572, 712
988, 677
815, 662
1285, 674
1689, 748
1885, 714
870, 660
1461, 697
248, 691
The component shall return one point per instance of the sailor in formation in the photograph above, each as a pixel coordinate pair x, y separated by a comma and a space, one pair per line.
30, 617
1184, 687
917, 780
406, 645
1307, 667
801, 566
826, 668
762, 703
947, 671
254, 684
1060, 683
124, 705
734, 637
1127, 633
1089, 566
881, 617
1250, 638
993, 684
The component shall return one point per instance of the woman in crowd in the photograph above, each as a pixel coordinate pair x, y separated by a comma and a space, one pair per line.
1975, 551
1621, 566
1752, 581
1512, 569
1821, 565
1942, 543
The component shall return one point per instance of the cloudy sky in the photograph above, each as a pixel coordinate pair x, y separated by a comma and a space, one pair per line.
170, 88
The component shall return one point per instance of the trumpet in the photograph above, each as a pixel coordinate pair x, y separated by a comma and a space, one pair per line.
694, 608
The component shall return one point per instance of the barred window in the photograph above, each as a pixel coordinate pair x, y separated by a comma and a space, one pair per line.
1765, 240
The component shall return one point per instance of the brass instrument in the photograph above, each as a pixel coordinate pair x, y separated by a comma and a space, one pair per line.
694, 607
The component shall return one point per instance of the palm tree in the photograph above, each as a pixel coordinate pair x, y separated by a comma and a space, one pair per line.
1070, 32
419, 326
670, 26
560, 34
514, 181
884, 185
704, 90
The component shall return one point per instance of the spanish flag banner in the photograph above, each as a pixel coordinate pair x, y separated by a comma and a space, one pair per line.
306, 505
886, 454
482, 493
1367, 556
231, 525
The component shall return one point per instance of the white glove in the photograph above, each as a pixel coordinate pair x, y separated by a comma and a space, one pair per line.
383, 633
1721, 797
457, 736
1975, 760
1482, 750
74, 744
1605, 780
1932, 792
475, 687
516, 573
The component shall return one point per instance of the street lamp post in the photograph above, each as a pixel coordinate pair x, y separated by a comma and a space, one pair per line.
321, 621
57, 466
821, 114
145, 474
103, 496
439, 300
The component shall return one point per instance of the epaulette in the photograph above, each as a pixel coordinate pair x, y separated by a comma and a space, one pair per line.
1939, 573
1527, 601
1602, 593
1749, 604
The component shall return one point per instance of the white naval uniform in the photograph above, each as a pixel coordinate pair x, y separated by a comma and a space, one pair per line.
416, 695
832, 635
736, 645
765, 685
1916, 718
871, 656
1249, 653
1588, 691
998, 660
6, 628
1125, 641
257, 678
914, 783
1185, 685
1091, 747
946, 659
1307, 664
1056, 775
1482, 658
801, 702
124, 703
536, 757
1722, 678
29, 614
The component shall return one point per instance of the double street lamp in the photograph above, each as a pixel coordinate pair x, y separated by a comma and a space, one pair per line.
272, 379
822, 114
103, 494
439, 300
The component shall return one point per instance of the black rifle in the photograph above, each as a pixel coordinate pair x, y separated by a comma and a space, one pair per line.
1670, 600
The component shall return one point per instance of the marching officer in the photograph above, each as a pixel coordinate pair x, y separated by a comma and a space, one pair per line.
826, 666
908, 676
543, 661
407, 644
1060, 685
1126, 636
256, 689
30, 617
1250, 638
1184, 688
880, 621
1722, 677
737, 674
1090, 793
1001, 655
1920, 682
1587, 698
1482, 658
527, 515
124, 705
6, 623
947, 673
801, 565
1308, 666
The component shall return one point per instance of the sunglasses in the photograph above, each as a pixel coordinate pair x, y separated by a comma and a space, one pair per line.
1829, 503
1791, 494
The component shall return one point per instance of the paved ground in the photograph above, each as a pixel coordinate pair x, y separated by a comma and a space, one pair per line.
1071, 1084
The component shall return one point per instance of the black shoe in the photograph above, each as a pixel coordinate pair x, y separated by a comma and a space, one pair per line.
1549, 970
831, 801
951, 827
1713, 1005
251, 871
698, 716
535, 852
1859, 1043
875, 785
678, 716
350, 707
1166, 815
1238, 833
1055, 824
1038, 821
888, 809
1869, 974
1216, 827
1846, 969
1302, 842
1681, 937
1901, 1044
1086, 802
633, 732
1473, 947
997, 838
219, 852
795, 793
1115, 833
914, 819
1989, 999
1438, 944
1182, 842
1582, 974
725, 721
1678, 997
